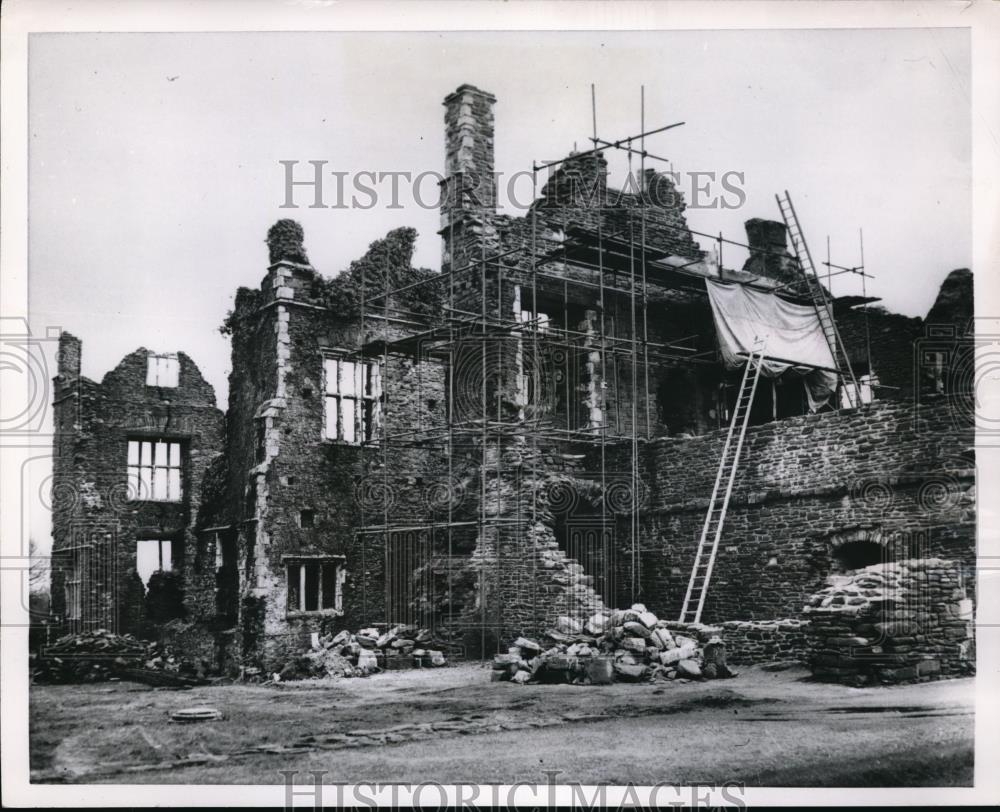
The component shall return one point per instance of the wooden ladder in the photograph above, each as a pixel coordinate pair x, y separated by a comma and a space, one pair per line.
823, 305
704, 559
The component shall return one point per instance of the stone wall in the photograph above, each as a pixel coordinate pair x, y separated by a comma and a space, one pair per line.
895, 622
754, 642
890, 338
98, 515
809, 490
292, 494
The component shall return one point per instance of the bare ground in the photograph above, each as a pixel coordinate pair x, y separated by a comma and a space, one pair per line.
453, 725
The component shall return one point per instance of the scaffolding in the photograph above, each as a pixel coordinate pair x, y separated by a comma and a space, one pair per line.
489, 505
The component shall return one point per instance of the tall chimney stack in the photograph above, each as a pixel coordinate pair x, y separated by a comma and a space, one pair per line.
769, 255
468, 166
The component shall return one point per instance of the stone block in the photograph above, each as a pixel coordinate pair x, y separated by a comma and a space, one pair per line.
526, 645
636, 629
689, 669
648, 619
928, 667
600, 670
634, 644
630, 673
568, 626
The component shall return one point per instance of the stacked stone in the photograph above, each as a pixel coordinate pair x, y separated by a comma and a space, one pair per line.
887, 623
630, 645
369, 651
754, 642
766, 641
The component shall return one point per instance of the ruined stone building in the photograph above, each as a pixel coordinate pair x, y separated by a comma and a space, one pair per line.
533, 431
131, 455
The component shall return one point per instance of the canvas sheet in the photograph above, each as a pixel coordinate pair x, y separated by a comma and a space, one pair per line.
794, 340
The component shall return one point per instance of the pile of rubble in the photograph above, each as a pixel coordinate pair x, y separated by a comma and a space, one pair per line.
895, 622
629, 645
99, 655
367, 652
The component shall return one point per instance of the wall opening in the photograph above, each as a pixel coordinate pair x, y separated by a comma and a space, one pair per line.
686, 401
227, 577
853, 555
153, 555
586, 538
315, 585
774, 399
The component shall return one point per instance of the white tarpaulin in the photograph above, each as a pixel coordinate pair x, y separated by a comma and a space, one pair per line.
792, 334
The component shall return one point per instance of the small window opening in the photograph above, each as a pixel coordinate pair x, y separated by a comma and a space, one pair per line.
315, 585
162, 370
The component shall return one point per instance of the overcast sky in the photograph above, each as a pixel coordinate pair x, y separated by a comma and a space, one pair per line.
154, 169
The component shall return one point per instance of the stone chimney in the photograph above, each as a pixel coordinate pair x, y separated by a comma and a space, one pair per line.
289, 273
766, 234
769, 256
68, 360
468, 167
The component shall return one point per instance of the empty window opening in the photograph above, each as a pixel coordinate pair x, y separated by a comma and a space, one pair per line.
863, 393
315, 585
853, 555
226, 575
686, 401
154, 470
261, 447
152, 555
73, 591
162, 370
934, 366
540, 320
307, 518
352, 394
774, 398
250, 505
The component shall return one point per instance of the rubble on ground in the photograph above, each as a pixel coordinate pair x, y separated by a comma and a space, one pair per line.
624, 645
895, 622
100, 655
347, 654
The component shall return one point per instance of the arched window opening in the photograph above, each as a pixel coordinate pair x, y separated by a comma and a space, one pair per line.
853, 555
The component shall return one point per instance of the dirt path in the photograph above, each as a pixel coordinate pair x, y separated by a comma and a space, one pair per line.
454, 725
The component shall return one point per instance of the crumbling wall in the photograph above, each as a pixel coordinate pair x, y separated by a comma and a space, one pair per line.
294, 494
97, 516
525, 580
895, 622
889, 338
806, 486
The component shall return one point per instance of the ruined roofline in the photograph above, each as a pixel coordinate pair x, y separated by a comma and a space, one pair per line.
68, 374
